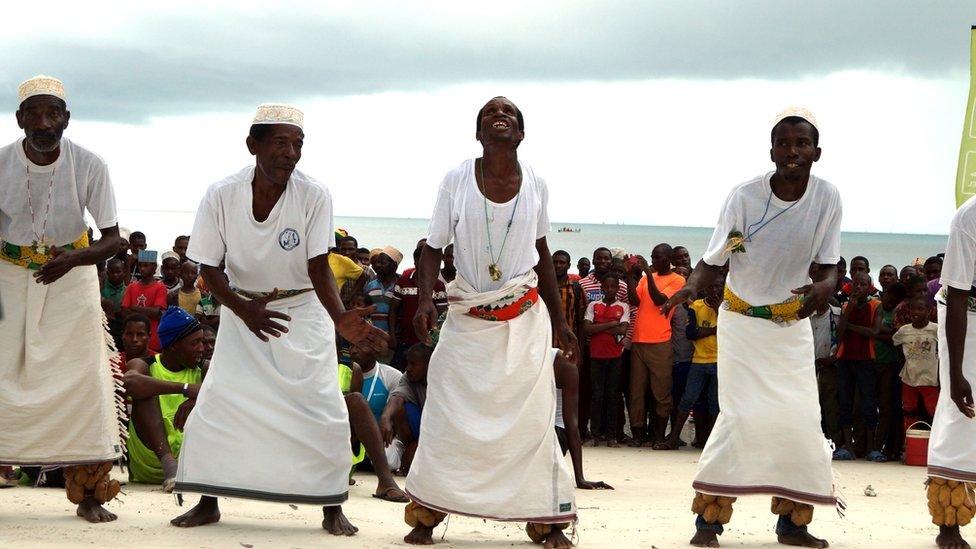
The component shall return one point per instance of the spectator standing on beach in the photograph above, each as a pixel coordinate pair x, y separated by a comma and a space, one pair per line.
920, 376
887, 363
605, 323
933, 274
583, 267
350, 276
823, 321
917, 286
448, 270
839, 295
681, 258
169, 271
570, 292
180, 245
137, 243
856, 371
186, 296
113, 290
887, 276
651, 362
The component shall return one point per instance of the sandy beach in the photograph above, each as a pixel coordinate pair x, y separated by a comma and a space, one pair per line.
649, 508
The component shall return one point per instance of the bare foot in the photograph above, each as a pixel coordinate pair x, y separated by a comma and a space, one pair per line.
205, 512
336, 523
705, 538
612, 443
169, 472
557, 540
390, 493
950, 538
802, 539
420, 535
92, 511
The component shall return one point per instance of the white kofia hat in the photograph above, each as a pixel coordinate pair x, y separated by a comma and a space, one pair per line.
274, 113
41, 85
798, 112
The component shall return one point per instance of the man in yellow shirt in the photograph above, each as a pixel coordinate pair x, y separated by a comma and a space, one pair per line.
346, 270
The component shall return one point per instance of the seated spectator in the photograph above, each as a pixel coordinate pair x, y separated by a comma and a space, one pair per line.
366, 437
146, 296
702, 330
112, 293
920, 376
135, 338
404, 409
186, 295
209, 341
567, 417
170, 271
605, 323
385, 262
163, 392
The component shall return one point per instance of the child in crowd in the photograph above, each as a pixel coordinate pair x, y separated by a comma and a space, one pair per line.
170, 271
887, 363
920, 377
702, 330
605, 323
186, 295
113, 290
887, 276
824, 324
404, 409
855, 331
917, 287
147, 296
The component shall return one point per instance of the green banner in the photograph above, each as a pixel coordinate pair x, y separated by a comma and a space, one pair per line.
966, 172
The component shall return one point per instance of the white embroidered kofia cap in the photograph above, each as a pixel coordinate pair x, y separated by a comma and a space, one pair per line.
273, 113
798, 112
41, 85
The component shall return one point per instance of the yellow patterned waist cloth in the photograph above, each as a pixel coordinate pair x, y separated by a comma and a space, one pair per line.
28, 256
780, 313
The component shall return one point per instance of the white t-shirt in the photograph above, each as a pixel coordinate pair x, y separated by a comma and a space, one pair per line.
81, 182
959, 266
267, 255
921, 348
778, 256
459, 217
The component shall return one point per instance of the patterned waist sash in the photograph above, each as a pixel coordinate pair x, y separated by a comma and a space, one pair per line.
507, 307
780, 313
28, 257
970, 301
282, 294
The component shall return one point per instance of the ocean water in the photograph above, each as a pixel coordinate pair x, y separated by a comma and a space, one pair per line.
162, 227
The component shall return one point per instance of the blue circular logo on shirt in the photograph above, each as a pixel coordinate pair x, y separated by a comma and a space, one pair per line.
288, 239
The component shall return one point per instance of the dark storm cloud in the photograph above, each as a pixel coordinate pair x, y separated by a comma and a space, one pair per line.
223, 60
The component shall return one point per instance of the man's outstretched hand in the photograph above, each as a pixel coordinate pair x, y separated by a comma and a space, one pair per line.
353, 327
814, 296
684, 294
425, 320
259, 319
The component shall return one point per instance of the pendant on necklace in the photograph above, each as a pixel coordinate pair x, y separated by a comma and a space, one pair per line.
494, 272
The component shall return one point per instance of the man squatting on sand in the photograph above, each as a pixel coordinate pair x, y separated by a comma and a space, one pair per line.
276, 395
55, 416
770, 230
487, 447
952, 446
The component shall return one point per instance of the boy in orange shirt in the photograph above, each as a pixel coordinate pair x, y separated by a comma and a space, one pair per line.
651, 353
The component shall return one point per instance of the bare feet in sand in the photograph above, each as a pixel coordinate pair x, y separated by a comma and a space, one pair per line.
705, 538
205, 512
802, 539
336, 523
950, 538
557, 540
169, 472
420, 535
92, 511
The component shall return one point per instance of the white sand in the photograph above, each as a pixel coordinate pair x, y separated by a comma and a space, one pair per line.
649, 508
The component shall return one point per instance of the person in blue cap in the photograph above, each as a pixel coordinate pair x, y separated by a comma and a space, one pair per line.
164, 389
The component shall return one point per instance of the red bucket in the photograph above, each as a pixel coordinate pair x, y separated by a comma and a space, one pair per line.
917, 444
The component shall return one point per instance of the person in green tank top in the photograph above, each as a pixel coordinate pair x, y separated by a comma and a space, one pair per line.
887, 361
163, 389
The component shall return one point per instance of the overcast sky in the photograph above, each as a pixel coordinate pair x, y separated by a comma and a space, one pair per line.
637, 112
